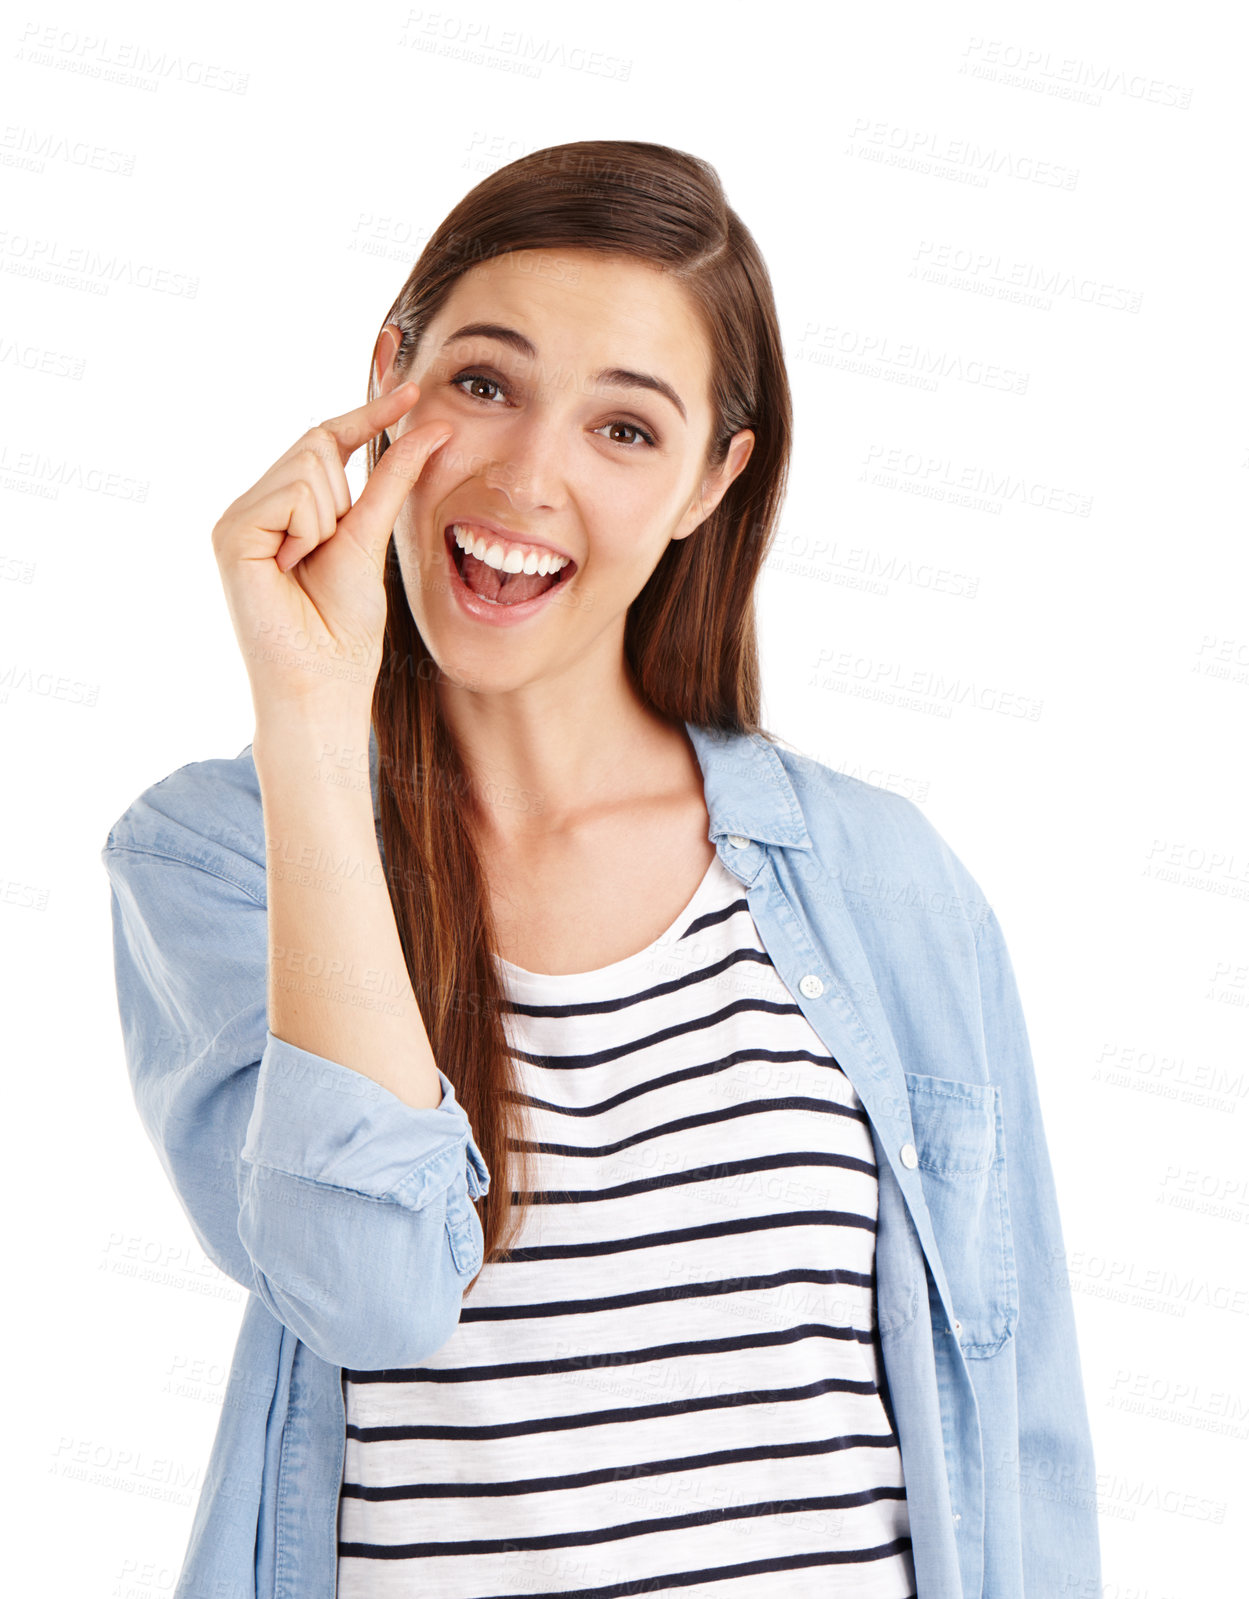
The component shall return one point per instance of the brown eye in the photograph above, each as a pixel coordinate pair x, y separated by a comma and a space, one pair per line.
648, 439
477, 377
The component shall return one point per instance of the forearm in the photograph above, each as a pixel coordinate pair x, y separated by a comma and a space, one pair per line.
337, 981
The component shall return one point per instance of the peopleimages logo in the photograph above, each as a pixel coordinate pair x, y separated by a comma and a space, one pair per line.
80, 266
129, 63
1069, 77
966, 160
468, 38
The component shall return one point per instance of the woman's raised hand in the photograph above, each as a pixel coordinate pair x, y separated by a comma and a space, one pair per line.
303, 568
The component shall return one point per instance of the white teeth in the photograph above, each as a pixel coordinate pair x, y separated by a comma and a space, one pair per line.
509, 558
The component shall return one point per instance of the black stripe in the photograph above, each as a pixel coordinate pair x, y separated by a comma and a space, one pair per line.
684, 1074
670, 985
697, 1174
749, 1107
685, 1235
713, 917
745, 1568
669, 1293
646, 1468
610, 1359
641, 1529
621, 1413
703, 1022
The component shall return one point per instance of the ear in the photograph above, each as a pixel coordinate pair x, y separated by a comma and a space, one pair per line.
715, 484
384, 352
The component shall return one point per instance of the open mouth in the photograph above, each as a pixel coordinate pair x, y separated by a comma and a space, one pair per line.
498, 587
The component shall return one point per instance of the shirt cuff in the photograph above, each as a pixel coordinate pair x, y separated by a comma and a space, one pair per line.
326, 1123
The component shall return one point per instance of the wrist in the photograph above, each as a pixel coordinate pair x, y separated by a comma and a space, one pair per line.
332, 749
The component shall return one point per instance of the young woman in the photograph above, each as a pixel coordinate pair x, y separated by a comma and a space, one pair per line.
624, 1124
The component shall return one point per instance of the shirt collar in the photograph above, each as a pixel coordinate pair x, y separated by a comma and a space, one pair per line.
747, 789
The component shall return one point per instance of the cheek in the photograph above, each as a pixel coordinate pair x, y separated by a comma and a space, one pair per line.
463, 455
635, 516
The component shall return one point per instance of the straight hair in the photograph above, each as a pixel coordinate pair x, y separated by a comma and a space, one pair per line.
690, 640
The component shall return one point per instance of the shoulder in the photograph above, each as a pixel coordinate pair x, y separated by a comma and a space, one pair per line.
206, 814
876, 834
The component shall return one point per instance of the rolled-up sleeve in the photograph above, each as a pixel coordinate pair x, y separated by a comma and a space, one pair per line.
346, 1210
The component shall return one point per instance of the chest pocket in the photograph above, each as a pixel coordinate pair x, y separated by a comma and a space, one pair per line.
962, 1167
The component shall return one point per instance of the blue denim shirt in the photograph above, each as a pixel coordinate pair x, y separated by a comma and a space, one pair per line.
347, 1213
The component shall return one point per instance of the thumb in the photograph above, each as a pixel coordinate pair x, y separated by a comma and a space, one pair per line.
371, 520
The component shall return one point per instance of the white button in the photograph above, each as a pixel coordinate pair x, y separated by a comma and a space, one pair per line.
811, 986
958, 1326
737, 841
958, 1515
909, 1157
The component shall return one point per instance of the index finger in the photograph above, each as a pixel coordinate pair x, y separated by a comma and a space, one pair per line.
357, 427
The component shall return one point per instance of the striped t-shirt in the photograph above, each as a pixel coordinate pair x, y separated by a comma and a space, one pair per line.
675, 1384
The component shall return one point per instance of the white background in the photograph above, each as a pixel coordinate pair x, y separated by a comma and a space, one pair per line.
1007, 250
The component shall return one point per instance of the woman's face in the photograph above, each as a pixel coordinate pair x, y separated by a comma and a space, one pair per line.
580, 426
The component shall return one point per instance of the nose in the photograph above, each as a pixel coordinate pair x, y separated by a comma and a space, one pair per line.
527, 466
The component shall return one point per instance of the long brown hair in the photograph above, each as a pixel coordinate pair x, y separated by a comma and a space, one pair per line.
690, 641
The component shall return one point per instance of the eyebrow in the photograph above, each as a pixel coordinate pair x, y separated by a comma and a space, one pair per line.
613, 376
